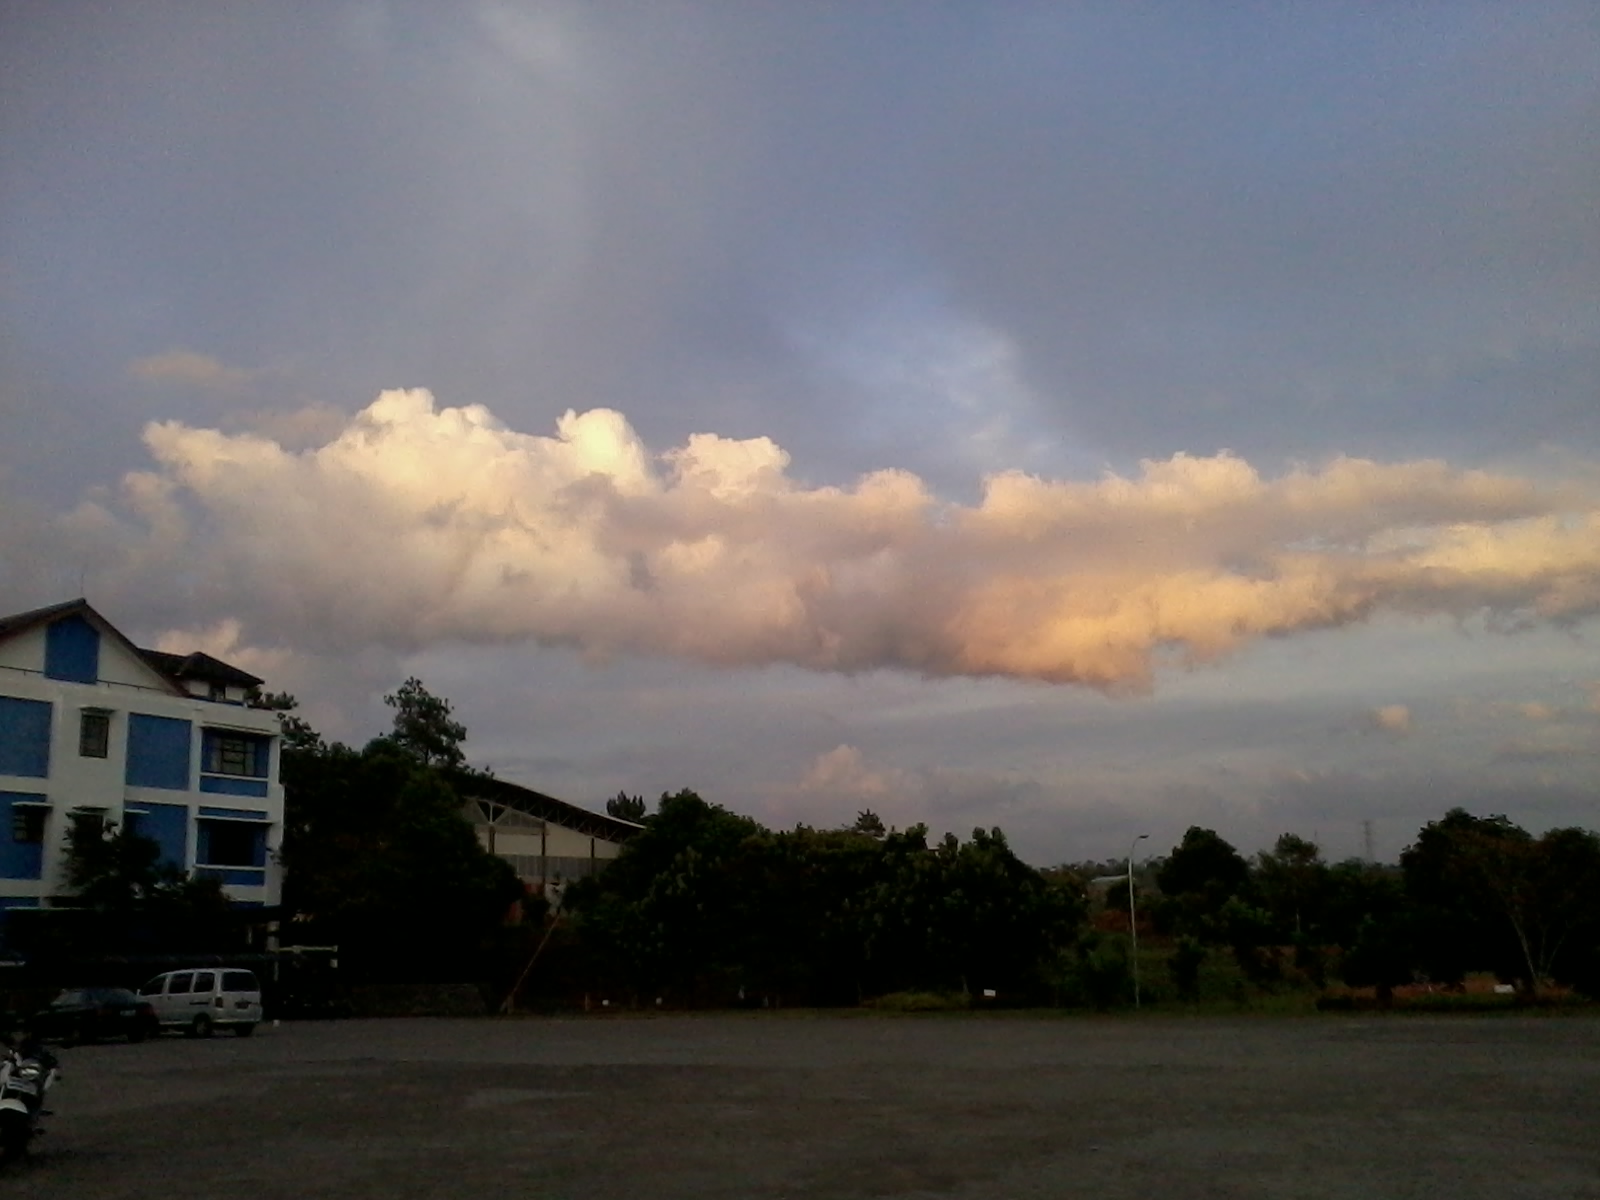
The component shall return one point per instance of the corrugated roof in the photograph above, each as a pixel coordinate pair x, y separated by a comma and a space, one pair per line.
546, 808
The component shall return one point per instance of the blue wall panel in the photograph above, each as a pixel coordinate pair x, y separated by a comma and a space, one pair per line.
158, 752
228, 785
19, 860
72, 650
167, 825
234, 876
24, 737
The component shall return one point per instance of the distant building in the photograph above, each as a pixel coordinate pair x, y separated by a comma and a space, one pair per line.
95, 730
547, 841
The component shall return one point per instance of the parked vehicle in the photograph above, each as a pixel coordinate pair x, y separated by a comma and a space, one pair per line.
27, 1073
91, 1013
201, 1001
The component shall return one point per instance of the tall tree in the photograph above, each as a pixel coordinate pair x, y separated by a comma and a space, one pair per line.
423, 727
1494, 897
1291, 880
1197, 880
296, 732
378, 859
626, 807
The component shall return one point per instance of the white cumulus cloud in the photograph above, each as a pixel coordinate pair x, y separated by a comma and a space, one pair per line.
418, 524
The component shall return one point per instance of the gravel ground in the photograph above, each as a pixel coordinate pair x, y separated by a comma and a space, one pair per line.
834, 1106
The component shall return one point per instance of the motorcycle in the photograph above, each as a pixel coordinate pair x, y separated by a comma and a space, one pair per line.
27, 1073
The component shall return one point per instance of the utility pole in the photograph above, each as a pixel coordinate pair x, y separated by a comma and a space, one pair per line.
1368, 844
1133, 919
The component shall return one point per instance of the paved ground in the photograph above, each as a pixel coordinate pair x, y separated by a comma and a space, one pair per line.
835, 1106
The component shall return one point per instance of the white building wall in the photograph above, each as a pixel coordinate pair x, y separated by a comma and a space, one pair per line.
127, 686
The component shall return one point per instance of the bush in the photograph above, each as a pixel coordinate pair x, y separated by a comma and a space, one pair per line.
1101, 975
920, 1002
1184, 966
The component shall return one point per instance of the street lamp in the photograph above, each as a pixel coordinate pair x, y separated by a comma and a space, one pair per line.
1133, 919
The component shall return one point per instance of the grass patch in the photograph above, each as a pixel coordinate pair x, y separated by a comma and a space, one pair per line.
917, 1002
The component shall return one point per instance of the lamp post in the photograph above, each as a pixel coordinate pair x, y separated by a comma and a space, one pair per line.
1133, 919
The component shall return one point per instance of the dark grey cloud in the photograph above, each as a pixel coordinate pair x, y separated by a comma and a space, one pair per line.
1285, 233
951, 239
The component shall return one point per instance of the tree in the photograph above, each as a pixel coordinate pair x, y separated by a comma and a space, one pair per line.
379, 860
1466, 879
138, 901
1291, 881
423, 727
1198, 878
1184, 966
295, 732
626, 808
1494, 897
1568, 890
111, 869
869, 823
704, 903
1382, 955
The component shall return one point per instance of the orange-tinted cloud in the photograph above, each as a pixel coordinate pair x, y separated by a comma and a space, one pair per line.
417, 524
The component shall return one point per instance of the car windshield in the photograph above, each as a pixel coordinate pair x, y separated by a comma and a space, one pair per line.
68, 1000
113, 996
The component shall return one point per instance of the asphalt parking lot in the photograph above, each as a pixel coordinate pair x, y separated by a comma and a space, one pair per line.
834, 1106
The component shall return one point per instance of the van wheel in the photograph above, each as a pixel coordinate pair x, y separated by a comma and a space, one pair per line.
200, 1027
244, 1030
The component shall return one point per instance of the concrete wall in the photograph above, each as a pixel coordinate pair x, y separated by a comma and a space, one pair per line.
541, 851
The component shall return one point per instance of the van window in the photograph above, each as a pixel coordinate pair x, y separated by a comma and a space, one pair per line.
204, 981
239, 981
153, 988
179, 984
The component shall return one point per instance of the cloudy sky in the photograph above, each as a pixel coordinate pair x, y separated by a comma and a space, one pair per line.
1087, 419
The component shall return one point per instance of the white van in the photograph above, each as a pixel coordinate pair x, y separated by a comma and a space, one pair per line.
206, 999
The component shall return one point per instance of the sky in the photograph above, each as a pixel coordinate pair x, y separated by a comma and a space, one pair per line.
1091, 420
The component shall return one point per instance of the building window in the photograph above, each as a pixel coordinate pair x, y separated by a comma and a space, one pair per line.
233, 844
88, 824
27, 824
235, 754
94, 734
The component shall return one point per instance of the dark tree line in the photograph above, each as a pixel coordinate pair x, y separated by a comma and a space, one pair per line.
705, 905
1471, 894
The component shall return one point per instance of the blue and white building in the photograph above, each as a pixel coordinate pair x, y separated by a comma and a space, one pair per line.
95, 730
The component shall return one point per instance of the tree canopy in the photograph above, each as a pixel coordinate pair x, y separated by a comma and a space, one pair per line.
424, 728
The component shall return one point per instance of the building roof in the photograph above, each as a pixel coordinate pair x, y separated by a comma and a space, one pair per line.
546, 808
18, 622
198, 666
175, 668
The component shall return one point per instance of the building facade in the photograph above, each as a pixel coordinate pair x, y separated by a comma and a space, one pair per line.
548, 842
97, 732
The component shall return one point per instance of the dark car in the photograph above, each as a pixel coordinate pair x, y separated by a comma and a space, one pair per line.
88, 1014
